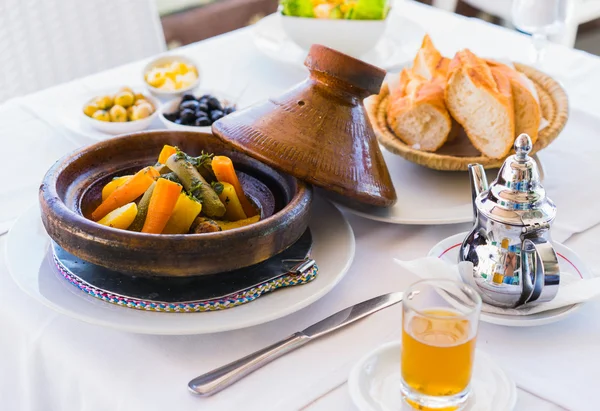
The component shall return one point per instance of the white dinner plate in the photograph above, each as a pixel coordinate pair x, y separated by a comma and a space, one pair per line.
568, 261
398, 45
27, 251
374, 383
426, 196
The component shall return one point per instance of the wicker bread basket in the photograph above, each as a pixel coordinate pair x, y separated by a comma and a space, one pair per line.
459, 153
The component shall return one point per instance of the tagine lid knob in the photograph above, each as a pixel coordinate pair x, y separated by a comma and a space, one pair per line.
357, 73
517, 196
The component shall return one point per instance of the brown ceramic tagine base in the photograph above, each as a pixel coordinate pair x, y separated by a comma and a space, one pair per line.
72, 187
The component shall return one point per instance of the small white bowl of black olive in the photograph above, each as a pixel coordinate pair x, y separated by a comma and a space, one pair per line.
195, 113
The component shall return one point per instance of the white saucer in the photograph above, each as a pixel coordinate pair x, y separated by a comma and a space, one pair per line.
426, 196
568, 261
374, 383
26, 255
398, 45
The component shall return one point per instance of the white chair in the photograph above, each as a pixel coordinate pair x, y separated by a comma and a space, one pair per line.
583, 11
47, 42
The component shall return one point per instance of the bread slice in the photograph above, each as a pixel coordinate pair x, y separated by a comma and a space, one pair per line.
528, 114
427, 59
407, 82
429, 62
417, 112
441, 70
481, 101
418, 115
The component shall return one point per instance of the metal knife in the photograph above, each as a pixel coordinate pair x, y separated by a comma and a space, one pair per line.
222, 377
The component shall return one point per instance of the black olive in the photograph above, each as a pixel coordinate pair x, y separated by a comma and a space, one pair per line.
203, 121
215, 115
228, 110
202, 107
171, 116
188, 116
187, 97
191, 104
177, 121
214, 104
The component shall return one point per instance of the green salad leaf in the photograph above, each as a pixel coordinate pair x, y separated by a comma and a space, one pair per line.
298, 8
344, 9
368, 10
336, 13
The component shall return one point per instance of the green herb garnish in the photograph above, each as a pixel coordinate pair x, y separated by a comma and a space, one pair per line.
201, 161
196, 186
171, 177
218, 187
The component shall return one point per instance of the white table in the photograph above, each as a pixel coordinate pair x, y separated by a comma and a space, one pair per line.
49, 361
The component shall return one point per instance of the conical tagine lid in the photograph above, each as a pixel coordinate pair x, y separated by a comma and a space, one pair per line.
318, 131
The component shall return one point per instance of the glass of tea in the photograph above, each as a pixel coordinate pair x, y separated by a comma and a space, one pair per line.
439, 328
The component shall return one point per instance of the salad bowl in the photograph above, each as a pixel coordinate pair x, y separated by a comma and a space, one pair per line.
352, 37
353, 28
72, 187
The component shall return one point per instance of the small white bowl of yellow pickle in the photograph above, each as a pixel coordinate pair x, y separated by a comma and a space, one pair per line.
120, 111
171, 76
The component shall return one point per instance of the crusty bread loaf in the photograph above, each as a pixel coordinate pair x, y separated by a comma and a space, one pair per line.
407, 82
442, 69
427, 59
429, 62
481, 101
417, 114
528, 114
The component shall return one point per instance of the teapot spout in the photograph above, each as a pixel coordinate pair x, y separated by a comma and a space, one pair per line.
479, 184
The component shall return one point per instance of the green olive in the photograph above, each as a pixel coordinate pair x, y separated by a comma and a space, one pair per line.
124, 99
105, 102
90, 108
126, 89
142, 111
118, 114
101, 115
130, 116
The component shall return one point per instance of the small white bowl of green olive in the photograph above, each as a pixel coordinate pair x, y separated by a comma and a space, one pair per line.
120, 111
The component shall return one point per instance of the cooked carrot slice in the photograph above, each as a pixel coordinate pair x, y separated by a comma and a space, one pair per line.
223, 168
126, 193
166, 152
162, 203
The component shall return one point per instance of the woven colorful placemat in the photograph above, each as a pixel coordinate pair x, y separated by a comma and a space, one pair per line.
222, 303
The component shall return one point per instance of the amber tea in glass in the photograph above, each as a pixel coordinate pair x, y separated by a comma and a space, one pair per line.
439, 327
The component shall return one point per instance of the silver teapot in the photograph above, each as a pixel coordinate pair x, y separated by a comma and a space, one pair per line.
510, 246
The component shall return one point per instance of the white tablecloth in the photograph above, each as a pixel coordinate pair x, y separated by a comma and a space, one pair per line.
51, 362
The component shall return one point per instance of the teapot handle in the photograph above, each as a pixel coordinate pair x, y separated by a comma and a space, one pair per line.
479, 184
539, 268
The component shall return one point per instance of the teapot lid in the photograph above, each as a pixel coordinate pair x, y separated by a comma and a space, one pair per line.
516, 196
